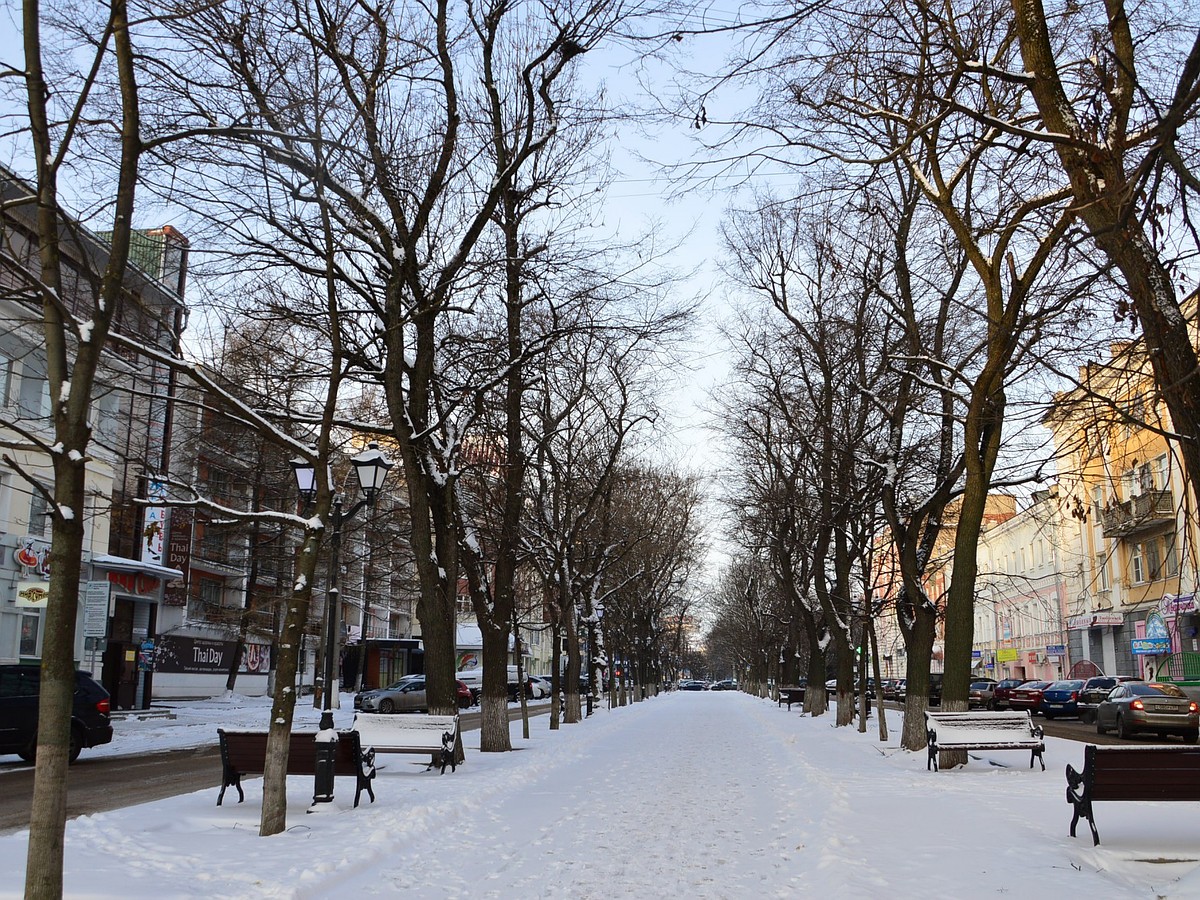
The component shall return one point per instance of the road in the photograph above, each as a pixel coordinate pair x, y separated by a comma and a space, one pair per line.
102, 783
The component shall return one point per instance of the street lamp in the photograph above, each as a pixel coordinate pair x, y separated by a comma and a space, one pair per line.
371, 468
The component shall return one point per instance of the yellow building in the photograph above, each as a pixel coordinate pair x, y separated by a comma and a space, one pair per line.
1138, 534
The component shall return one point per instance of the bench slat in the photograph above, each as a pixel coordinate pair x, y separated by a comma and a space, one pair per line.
245, 753
983, 730
404, 733
1131, 774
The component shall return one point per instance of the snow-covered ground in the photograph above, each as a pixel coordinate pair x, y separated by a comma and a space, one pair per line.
688, 795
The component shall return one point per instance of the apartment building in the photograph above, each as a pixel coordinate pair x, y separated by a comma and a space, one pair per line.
1030, 572
1136, 607
122, 580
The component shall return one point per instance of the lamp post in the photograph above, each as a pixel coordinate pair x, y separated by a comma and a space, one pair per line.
371, 468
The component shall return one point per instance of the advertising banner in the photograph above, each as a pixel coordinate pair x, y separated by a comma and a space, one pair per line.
175, 654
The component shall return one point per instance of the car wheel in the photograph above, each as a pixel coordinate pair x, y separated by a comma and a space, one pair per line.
1100, 729
1087, 716
991, 704
1123, 728
386, 706
28, 753
1191, 737
1048, 716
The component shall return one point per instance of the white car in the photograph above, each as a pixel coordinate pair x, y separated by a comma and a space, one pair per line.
539, 687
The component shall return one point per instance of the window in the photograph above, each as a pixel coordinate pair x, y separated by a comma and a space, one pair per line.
39, 514
1146, 478
1137, 565
1170, 560
1097, 503
1153, 558
1162, 472
1102, 572
1129, 483
6, 371
207, 596
30, 625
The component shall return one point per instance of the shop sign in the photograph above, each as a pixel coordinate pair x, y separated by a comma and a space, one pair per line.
179, 556
976, 654
1006, 654
154, 523
1031, 657
1056, 650
134, 582
32, 594
176, 654
32, 554
1095, 620
1177, 604
1157, 640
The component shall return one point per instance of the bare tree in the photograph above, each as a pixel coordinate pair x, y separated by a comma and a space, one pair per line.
1118, 92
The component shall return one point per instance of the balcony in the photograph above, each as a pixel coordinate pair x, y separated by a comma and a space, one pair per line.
1138, 514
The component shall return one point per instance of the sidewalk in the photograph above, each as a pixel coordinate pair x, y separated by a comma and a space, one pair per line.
705, 795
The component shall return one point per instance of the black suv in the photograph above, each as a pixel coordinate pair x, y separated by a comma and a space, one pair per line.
90, 722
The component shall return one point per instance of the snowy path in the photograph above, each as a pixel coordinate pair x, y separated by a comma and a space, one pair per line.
685, 796
695, 803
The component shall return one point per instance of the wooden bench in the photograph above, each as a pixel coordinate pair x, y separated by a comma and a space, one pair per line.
983, 730
1131, 773
245, 753
790, 695
406, 733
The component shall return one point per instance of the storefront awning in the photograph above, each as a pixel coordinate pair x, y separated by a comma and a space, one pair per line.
137, 566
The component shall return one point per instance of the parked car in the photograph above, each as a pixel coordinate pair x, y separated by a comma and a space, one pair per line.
1149, 706
539, 687
693, 686
20, 688
1028, 695
1094, 692
893, 689
727, 684
1061, 698
1003, 691
981, 692
406, 695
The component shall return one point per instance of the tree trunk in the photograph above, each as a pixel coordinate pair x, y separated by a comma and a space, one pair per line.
919, 643
273, 819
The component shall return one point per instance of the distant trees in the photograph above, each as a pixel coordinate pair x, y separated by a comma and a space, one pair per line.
953, 223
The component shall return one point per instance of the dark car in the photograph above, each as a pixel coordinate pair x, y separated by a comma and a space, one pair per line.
693, 686
1095, 690
727, 684
893, 689
1003, 692
1061, 698
91, 724
1149, 706
935, 688
1028, 695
